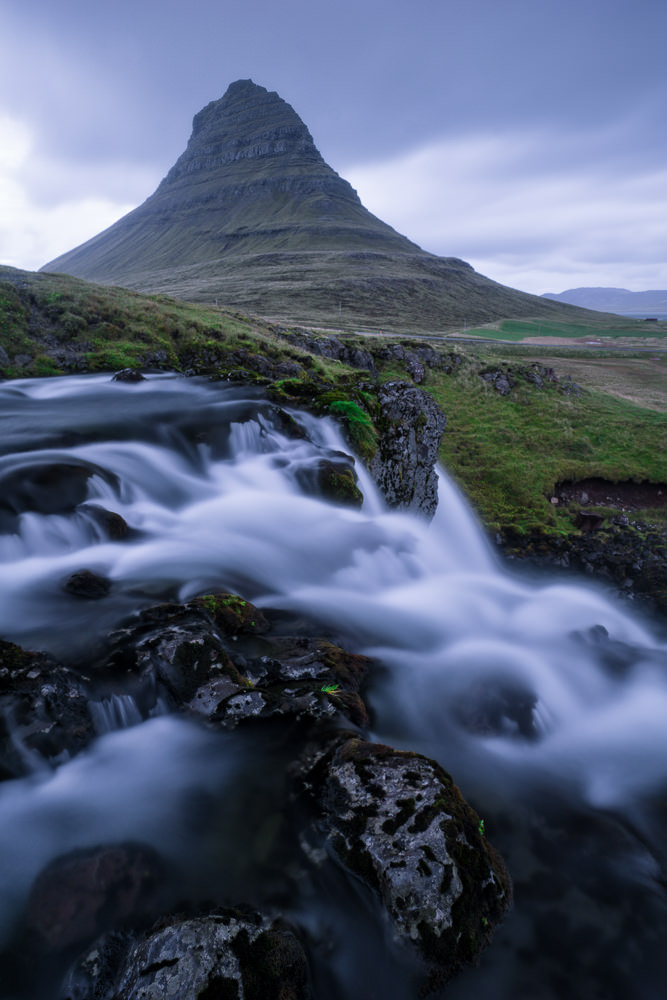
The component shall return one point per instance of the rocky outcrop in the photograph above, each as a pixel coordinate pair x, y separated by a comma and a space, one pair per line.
628, 556
411, 427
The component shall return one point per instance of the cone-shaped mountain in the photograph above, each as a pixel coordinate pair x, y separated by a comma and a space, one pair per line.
250, 214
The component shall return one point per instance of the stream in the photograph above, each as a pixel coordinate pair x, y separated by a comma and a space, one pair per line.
545, 699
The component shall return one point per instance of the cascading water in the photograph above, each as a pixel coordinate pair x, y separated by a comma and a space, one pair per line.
546, 701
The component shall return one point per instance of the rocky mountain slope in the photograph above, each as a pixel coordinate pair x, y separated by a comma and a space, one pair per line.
251, 215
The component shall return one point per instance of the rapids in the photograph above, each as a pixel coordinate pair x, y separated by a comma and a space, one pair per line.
546, 700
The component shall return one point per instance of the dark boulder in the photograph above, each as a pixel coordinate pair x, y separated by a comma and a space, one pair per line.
333, 479
44, 711
411, 427
111, 524
130, 375
80, 895
88, 585
218, 956
398, 822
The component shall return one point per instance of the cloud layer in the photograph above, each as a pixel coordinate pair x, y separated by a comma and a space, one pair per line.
538, 220
527, 138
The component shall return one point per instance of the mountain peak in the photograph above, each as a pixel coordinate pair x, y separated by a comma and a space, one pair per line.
251, 215
247, 123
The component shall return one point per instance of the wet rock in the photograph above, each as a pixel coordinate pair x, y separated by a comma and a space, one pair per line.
296, 677
46, 487
337, 481
85, 892
84, 583
411, 427
175, 647
397, 821
94, 974
621, 550
227, 954
129, 375
43, 711
114, 526
497, 708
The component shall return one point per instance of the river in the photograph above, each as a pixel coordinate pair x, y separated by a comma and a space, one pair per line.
545, 699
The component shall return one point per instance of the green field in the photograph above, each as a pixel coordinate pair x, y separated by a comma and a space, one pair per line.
623, 329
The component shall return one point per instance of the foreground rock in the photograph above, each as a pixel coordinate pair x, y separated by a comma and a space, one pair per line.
331, 802
226, 954
397, 821
79, 896
44, 712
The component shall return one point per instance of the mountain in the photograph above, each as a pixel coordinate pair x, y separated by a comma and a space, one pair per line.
615, 300
251, 215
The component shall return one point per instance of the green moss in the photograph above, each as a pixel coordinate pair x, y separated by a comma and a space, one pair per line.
231, 613
358, 424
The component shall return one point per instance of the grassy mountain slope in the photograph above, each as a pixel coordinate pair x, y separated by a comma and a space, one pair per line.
251, 216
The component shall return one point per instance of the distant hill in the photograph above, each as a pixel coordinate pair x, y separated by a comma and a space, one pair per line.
615, 300
251, 216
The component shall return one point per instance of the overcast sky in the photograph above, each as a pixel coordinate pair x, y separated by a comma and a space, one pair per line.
528, 137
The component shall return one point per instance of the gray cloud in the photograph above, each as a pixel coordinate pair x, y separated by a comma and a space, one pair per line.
545, 104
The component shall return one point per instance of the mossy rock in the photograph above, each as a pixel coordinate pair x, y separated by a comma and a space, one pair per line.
231, 614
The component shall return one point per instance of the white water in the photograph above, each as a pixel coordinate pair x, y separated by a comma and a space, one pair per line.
212, 491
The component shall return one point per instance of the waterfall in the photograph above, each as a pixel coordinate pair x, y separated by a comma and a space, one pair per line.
540, 697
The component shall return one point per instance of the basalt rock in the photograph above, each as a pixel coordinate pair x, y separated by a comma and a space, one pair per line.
88, 585
411, 427
43, 711
395, 820
80, 895
225, 954
211, 659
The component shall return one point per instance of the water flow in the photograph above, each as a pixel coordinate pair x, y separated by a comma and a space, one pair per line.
538, 697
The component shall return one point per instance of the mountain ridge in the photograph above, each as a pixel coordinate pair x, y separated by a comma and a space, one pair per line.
614, 300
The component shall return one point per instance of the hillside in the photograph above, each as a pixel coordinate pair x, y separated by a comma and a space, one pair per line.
251, 216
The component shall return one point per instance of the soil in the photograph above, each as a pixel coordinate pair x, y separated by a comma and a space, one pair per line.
626, 495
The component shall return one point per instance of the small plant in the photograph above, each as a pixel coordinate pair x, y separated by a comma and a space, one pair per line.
331, 688
481, 828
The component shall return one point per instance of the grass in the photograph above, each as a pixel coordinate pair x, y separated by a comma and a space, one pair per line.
509, 452
53, 324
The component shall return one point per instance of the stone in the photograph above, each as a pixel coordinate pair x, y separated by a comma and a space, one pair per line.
129, 375
411, 427
43, 711
88, 585
395, 820
224, 955
83, 893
